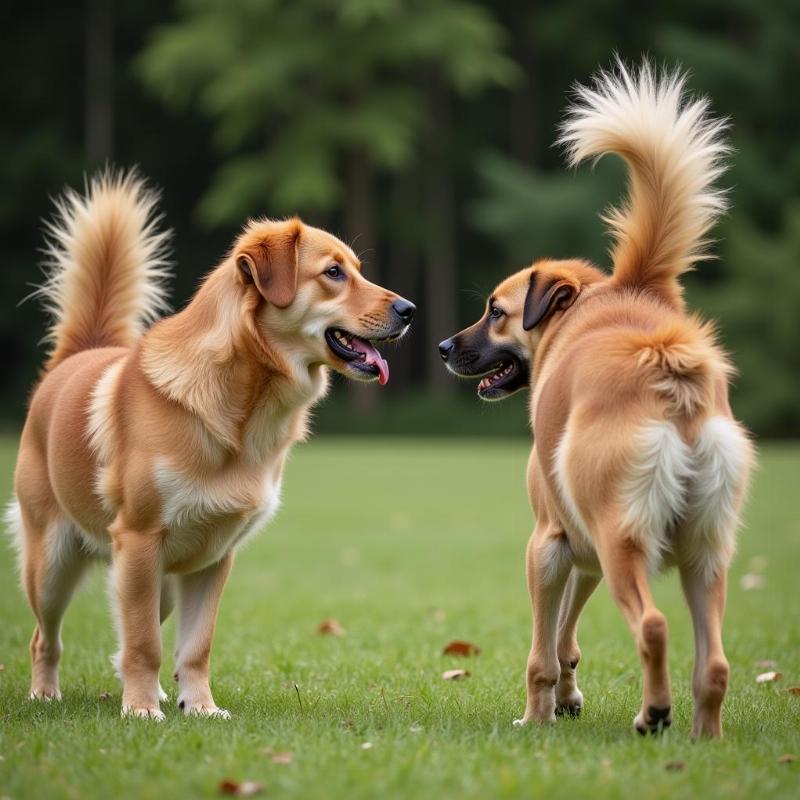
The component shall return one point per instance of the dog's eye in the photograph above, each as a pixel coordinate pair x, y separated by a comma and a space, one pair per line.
495, 312
335, 272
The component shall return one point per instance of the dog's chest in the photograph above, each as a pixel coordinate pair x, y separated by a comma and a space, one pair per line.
205, 517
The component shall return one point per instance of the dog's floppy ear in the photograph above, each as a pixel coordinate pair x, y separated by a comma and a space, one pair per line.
546, 294
271, 265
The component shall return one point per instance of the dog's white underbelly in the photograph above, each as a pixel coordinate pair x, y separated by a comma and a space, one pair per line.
205, 519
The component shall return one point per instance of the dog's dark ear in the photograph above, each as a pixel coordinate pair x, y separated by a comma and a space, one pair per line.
547, 294
272, 265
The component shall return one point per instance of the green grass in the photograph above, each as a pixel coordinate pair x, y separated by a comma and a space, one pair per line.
409, 544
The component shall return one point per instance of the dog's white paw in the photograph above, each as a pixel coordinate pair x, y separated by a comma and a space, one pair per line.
206, 711
143, 712
45, 693
162, 695
519, 723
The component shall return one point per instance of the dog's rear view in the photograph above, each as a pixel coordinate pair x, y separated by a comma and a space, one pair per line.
638, 463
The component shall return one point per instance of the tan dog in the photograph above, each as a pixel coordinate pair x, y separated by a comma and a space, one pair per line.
162, 450
638, 463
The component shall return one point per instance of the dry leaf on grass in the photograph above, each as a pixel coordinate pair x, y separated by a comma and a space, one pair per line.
2, 667
366, 746
767, 663
330, 627
243, 789
787, 758
675, 766
768, 677
794, 690
752, 580
279, 757
104, 696
455, 674
438, 614
459, 647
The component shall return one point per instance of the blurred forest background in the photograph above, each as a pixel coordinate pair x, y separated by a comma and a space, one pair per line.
419, 130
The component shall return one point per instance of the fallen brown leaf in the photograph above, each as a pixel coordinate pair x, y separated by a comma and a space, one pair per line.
438, 614
2, 667
104, 696
330, 627
278, 757
458, 647
243, 789
768, 677
787, 758
752, 580
675, 766
455, 674
767, 663
794, 690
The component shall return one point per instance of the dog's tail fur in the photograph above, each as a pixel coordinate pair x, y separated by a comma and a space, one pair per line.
106, 265
674, 152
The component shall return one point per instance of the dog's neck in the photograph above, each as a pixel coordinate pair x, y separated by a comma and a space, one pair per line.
211, 359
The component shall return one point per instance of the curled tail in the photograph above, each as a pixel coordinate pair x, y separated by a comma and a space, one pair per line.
674, 153
106, 265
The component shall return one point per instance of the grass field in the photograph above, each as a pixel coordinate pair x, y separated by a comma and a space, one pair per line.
410, 544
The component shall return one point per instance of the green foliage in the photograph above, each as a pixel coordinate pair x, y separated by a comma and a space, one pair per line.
757, 302
291, 86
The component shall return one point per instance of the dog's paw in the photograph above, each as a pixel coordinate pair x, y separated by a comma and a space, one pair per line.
570, 705
162, 695
205, 711
46, 693
143, 712
520, 723
653, 721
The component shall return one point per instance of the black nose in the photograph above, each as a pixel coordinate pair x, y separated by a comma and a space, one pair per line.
404, 309
445, 348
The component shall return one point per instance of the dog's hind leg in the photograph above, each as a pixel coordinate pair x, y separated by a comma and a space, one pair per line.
580, 585
548, 565
706, 599
52, 563
625, 568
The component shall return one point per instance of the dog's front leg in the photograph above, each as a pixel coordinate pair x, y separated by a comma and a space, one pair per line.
548, 566
137, 588
199, 594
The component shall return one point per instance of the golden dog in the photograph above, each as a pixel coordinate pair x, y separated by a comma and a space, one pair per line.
638, 463
162, 449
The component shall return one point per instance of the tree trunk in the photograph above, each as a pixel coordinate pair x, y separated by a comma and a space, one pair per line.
99, 81
402, 274
441, 299
360, 233
524, 113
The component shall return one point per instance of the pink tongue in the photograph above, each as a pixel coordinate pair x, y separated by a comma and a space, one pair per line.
372, 357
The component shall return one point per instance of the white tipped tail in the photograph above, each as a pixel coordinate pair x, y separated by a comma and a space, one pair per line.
106, 265
674, 152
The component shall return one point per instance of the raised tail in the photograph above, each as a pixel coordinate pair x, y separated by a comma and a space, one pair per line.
106, 265
674, 152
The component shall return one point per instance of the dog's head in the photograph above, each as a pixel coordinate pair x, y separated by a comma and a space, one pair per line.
500, 347
304, 290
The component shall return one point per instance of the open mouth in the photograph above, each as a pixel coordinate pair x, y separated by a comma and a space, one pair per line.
359, 354
507, 376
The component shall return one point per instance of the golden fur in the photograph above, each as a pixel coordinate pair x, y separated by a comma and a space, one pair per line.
162, 449
638, 463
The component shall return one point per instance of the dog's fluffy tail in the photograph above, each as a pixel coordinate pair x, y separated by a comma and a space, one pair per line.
106, 265
674, 152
